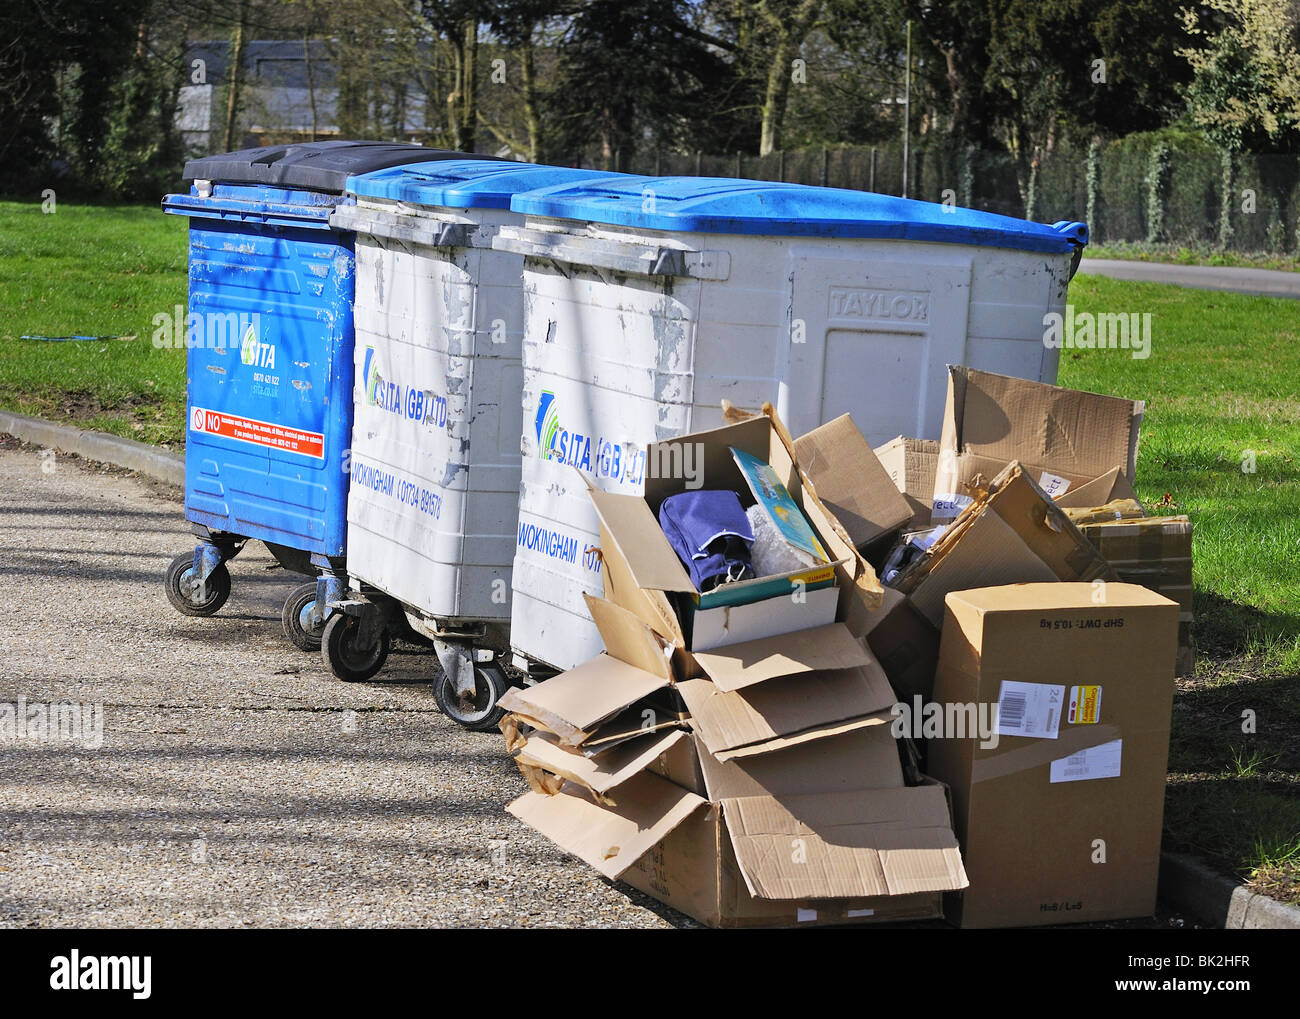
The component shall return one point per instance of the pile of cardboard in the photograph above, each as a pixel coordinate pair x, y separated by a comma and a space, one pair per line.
1079, 450
753, 783
1045, 595
814, 748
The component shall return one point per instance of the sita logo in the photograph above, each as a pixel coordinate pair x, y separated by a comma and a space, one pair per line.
251, 352
402, 399
547, 424
370, 372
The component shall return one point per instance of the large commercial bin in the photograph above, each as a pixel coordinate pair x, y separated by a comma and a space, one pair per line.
651, 300
438, 412
269, 400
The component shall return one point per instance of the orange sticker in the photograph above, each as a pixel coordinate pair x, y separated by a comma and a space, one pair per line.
259, 433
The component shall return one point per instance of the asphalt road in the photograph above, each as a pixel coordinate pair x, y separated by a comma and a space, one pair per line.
238, 783
1264, 282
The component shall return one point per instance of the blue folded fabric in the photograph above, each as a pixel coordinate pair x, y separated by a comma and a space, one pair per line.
711, 535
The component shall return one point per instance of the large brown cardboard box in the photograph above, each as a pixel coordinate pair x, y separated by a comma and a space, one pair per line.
1064, 438
911, 464
1061, 826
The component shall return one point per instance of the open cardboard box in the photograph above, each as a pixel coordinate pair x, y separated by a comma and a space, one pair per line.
911, 465
799, 629
1155, 552
820, 832
1011, 533
853, 483
1064, 438
783, 802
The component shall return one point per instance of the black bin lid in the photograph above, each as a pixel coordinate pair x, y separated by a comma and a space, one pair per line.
313, 166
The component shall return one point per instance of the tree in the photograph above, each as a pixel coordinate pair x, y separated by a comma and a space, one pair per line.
957, 34
516, 24
632, 73
457, 21
789, 22
235, 76
1246, 89
141, 152
854, 65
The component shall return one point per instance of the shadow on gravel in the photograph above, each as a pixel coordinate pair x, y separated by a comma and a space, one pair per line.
85, 511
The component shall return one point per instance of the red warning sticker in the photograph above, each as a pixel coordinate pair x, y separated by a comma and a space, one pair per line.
260, 433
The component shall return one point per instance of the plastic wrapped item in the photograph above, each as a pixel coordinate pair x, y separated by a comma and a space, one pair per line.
771, 554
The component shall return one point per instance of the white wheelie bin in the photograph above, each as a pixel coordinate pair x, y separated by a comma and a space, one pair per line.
651, 300
434, 460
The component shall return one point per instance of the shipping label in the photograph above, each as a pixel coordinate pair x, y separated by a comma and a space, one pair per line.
949, 505
1030, 709
1053, 484
1102, 761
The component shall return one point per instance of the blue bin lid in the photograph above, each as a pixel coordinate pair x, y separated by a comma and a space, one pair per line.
730, 206
465, 183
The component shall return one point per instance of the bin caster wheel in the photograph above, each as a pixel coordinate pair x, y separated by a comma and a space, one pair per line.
296, 621
185, 594
480, 712
344, 658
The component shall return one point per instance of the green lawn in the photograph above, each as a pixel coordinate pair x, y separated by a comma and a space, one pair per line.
1222, 382
1222, 387
101, 271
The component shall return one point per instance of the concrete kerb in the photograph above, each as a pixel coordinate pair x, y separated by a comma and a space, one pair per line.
159, 464
1192, 887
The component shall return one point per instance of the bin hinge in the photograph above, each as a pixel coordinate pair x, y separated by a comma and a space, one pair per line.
451, 235
617, 255
669, 262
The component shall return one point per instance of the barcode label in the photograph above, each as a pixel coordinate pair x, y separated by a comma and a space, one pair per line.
1029, 709
1012, 710
1101, 761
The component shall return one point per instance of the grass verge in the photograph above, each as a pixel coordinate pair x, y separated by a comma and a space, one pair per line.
100, 271
1221, 442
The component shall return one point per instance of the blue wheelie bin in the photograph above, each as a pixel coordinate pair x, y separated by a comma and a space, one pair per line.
269, 340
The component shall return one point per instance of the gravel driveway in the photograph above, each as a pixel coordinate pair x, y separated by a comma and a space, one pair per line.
238, 784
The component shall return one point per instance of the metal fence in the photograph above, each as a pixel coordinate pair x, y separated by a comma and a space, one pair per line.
1138, 189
